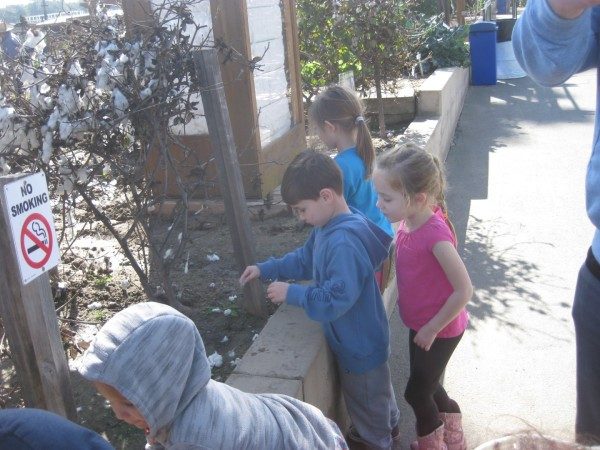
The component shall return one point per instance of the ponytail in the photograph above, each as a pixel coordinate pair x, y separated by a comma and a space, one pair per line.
441, 196
364, 146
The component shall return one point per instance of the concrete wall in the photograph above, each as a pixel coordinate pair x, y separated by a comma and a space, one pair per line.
439, 103
290, 355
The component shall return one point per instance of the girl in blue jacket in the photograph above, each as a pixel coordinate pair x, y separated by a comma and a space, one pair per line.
338, 117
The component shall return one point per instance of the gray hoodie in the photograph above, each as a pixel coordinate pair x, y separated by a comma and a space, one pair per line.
154, 356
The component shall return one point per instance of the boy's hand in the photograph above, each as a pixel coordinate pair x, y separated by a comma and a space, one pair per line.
425, 337
277, 291
250, 273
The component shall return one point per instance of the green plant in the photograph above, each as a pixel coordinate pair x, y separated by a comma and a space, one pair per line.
103, 281
98, 315
442, 46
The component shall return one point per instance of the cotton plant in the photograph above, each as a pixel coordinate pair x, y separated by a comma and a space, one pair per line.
87, 104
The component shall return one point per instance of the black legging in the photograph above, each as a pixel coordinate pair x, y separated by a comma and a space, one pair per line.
424, 393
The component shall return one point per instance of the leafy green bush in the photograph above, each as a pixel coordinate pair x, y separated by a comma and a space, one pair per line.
443, 46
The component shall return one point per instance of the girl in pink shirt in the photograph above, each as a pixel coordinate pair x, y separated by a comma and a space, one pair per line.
433, 287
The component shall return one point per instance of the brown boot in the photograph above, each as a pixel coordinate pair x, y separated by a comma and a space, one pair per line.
433, 441
454, 437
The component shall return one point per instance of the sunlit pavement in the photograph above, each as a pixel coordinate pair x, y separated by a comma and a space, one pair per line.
516, 174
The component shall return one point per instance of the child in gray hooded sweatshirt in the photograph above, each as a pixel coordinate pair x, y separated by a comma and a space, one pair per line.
149, 361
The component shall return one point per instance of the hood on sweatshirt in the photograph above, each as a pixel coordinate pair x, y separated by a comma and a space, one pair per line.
374, 239
154, 356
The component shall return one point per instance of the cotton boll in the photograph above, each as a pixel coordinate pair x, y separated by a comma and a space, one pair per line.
80, 126
144, 94
111, 47
120, 102
215, 360
4, 167
91, 96
33, 142
53, 119
28, 77
65, 129
47, 148
82, 175
104, 77
148, 62
68, 100
75, 70
66, 186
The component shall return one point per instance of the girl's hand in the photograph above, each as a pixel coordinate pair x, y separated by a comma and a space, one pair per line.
425, 337
249, 274
277, 291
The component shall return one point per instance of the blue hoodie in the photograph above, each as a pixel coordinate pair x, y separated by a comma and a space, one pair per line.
341, 258
37, 429
551, 49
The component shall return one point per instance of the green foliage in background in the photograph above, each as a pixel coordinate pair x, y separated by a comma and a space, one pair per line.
369, 36
443, 46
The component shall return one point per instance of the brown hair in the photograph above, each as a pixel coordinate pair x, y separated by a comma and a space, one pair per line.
341, 107
309, 173
412, 170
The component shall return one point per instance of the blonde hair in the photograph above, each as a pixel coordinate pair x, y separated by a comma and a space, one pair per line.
412, 170
342, 107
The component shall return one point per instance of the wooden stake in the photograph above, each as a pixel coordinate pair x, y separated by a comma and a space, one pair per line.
29, 318
223, 145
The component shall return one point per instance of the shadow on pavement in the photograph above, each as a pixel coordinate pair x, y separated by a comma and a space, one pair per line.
491, 115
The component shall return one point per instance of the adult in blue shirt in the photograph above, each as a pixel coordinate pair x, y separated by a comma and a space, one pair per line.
553, 40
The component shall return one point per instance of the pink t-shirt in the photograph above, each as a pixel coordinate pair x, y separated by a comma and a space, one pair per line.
423, 287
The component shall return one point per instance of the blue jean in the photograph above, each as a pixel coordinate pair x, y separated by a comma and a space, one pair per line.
586, 316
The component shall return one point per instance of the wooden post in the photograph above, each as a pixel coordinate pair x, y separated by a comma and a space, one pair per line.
29, 319
460, 12
223, 145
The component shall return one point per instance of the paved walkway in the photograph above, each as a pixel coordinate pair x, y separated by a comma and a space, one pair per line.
516, 174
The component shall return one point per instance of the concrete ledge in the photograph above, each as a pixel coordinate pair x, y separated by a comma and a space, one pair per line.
399, 106
290, 356
439, 104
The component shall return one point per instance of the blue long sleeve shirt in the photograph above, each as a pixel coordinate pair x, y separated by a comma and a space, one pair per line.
358, 191
551, 49
340, 258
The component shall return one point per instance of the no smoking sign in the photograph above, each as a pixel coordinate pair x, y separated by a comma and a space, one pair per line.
32, 226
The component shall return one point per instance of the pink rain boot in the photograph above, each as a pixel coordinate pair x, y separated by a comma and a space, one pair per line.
433, 441
453, 431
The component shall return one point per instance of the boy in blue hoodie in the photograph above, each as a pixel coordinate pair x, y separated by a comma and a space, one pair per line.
340, 256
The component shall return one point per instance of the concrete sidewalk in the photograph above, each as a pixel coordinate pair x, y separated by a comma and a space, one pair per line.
516, 174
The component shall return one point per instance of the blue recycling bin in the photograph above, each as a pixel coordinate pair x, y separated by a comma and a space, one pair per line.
482, 43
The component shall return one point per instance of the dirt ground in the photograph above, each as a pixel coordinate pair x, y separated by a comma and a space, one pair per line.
210, 288
94, 282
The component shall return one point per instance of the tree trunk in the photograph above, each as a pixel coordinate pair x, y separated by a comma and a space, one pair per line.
381, 113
